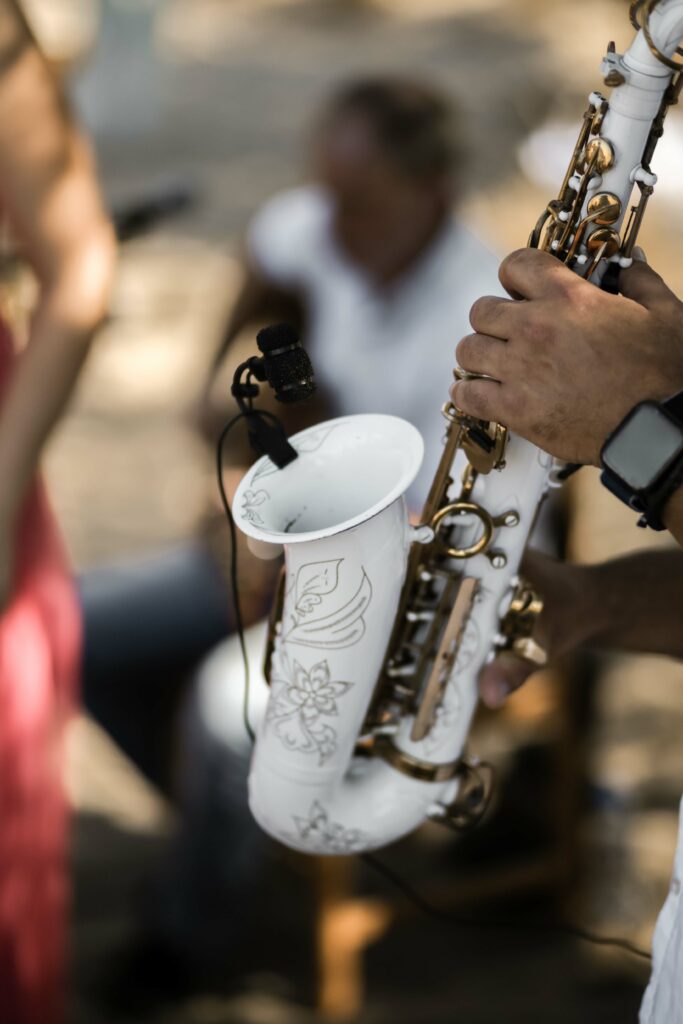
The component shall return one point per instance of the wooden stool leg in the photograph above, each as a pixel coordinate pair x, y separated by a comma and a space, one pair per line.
344, 927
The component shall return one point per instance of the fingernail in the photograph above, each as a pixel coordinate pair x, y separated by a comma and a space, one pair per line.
639, 254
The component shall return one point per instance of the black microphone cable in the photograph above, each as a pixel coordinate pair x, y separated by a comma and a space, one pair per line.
559, 927
285, 366
234, 586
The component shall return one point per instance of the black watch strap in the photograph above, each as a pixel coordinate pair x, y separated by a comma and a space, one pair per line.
649, 503
674, 479
674, 406
652, 514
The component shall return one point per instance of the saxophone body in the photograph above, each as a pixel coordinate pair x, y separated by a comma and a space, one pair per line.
381, 629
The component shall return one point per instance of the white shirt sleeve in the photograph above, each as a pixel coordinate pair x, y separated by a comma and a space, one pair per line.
286, 238
663, 999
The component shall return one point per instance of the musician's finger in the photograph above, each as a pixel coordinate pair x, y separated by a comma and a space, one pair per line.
502, 677
480, 353
493, 316
532, 274
644, 285
478, 398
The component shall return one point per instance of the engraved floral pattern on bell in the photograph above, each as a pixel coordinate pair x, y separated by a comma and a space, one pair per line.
301, 702
325, 836
313, 582
321, 617
251, 500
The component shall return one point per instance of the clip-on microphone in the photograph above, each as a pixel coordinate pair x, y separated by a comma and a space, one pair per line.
286, 367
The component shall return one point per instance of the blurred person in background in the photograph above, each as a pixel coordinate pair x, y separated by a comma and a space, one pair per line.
51, 202
568, 369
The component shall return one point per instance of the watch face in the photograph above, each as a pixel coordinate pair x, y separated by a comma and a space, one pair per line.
645, 444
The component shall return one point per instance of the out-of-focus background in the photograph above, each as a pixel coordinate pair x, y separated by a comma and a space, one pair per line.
217, 96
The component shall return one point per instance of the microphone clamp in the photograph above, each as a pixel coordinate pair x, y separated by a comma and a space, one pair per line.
266, 434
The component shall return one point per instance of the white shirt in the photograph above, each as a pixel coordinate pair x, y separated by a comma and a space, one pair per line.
663, 1000
389, 351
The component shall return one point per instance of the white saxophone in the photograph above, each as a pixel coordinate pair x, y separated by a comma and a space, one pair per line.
382, 628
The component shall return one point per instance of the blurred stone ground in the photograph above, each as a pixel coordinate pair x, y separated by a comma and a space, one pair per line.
218, 93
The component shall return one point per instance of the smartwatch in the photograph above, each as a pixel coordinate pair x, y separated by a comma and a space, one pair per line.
642, 460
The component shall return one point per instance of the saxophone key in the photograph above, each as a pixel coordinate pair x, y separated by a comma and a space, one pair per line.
599, 155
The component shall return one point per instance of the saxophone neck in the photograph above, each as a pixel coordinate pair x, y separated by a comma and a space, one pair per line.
661, 28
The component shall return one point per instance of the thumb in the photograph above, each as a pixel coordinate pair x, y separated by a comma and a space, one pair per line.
502, 677
643, 285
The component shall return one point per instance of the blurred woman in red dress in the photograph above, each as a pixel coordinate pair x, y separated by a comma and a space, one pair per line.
50, 199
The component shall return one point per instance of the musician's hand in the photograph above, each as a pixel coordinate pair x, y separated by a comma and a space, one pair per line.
570, 361
565, 623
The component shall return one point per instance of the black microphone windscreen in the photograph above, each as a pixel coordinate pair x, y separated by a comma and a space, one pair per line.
287, 366
276, 336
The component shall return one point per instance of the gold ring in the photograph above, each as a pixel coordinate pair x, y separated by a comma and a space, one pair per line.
465, 375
